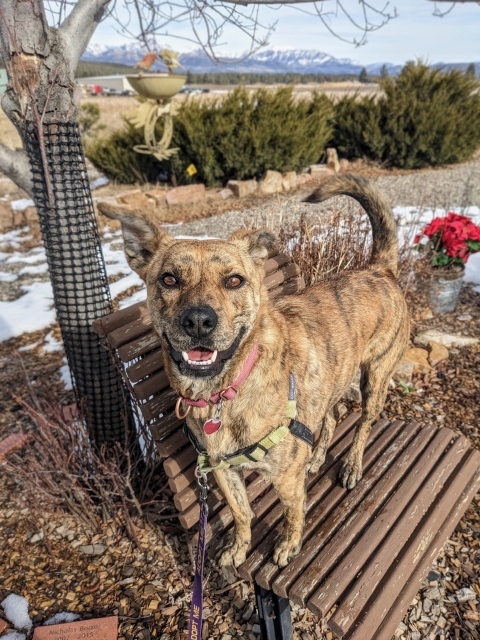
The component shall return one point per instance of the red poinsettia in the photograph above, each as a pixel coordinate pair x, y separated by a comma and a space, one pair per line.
452, 239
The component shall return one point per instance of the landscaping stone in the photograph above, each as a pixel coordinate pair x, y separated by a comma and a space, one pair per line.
289, 180
332, 160
186, 195
438, 352
303, 179
272, 182
419, 358
319, 171
159, 196
242, 188
404, 372
135, 199
344, 165
446, 339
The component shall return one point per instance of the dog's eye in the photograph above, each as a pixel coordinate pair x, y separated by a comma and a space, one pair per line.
233, 282
168, 280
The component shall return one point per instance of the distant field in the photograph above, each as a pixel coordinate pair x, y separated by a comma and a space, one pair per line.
114, 108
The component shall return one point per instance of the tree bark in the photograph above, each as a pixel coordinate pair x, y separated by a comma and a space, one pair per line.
41, 101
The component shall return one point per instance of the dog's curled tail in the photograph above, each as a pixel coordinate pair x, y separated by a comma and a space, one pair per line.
384, 228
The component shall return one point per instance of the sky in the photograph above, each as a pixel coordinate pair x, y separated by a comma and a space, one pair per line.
415, 33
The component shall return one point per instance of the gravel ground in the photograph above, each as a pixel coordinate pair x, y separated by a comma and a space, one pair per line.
46, 555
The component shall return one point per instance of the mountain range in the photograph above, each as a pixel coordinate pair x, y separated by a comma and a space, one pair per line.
274, 60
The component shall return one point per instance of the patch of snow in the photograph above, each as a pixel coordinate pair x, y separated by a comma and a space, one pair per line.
472, 271
14, 238
64, 616
138, 296
51, 343
27, 347
16, 611
31, 312
66, 376
31, 257
7, 277
34, 270
99, 182
124, 284
14, 635
22, 204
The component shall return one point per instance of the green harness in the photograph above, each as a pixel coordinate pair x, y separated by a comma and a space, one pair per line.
257, 451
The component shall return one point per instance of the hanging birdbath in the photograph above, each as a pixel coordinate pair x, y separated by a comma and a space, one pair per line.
158, 89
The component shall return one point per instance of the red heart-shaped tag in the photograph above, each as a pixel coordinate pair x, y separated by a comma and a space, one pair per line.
211, 426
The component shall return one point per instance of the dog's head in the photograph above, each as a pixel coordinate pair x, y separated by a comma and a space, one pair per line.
203, 295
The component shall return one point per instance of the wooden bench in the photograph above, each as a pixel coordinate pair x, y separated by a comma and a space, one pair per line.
365, 551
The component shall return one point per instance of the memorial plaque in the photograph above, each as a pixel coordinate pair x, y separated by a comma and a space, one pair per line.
96, 629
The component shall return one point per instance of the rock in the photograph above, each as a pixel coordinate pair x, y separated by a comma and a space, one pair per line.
135, 199
3, 625
93, 549
446, 339
159, 196
225, 194
427, 605
433, 575
36, 537
272, 182
303, 179
437, 353
289, 180
344, 165
404, 372
419, 358
332, 160
242, 188
465, 595
186, 195
319, 171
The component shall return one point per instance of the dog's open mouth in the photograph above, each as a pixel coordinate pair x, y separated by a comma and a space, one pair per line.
201, 361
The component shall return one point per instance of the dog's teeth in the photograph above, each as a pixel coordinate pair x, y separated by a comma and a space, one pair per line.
185, 356
214, 357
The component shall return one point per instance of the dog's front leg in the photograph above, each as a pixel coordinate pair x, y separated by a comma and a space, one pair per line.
290, 487
233, 488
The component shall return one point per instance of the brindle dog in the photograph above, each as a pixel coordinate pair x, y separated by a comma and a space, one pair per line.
210, 307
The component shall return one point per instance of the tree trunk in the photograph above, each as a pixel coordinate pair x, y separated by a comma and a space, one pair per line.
41, 102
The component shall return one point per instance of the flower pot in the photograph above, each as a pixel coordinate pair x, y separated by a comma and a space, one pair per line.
444, 290
157, 86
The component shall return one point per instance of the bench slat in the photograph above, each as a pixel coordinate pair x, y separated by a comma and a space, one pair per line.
144, 367
183, 480
327, 592
130, 331
159, 404
183, 458
294, 285
377, 459
165, 427
154, 384
379, 564
290, 270
104, 326
393, 600
139, 347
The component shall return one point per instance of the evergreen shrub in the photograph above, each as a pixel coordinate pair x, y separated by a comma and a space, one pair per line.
425, 117
238, 136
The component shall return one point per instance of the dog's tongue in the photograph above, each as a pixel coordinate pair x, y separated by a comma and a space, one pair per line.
199, 354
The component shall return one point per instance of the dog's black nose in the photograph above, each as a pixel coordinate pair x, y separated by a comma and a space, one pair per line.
198, 322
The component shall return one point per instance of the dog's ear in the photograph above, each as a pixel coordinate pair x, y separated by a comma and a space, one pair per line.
257, 243
142, 238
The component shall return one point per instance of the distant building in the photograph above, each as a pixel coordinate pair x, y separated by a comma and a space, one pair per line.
118, 83
3, 80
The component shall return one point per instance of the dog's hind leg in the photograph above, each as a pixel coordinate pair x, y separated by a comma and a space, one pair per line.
232, 486
374, 386
326, 432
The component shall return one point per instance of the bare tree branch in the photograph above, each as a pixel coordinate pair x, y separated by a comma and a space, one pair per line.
16, 166
79, 25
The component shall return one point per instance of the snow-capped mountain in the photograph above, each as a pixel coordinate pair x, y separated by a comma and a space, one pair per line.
273, 60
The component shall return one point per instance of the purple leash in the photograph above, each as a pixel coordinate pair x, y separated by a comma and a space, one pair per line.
196, 608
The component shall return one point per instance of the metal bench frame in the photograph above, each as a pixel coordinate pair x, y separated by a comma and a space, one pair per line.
365, 551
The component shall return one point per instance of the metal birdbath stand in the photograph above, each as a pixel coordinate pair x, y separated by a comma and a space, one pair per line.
158, 89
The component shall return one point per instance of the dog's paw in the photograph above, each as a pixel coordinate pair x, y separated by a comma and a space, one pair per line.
350, 474
284, 552
316, 462
234, 554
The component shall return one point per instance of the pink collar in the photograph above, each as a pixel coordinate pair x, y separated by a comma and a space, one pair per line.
227, 394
